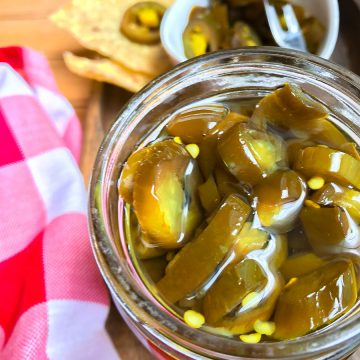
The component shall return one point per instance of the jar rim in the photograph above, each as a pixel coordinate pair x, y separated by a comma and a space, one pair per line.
157, 87
157, 82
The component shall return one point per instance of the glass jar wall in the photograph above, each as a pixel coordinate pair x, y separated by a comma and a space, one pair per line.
239, 74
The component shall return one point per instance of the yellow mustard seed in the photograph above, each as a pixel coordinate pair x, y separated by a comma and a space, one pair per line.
312, 204
291, 282
264, 327
194, 319
251, 338
178, 140
193, 150
251, 300
316, 183
149, 17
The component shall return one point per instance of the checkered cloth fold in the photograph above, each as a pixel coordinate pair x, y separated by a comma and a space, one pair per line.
53, 303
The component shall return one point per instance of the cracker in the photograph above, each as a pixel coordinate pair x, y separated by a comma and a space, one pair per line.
96, 25
104, 69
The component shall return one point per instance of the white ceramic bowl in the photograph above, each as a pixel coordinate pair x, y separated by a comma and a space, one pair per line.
176, 19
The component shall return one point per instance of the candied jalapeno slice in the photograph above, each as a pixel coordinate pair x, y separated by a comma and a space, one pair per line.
294, 146
202, 33
315, 299
141, 22
128, 172
258, 304
143, 250
230, 289
321, 131
246, 275
334, 194
352, 149
209, 195
209, 157
227, 184
331, 230
249, 239
301, 264
198, 259
279, 199
165, 194
325, 225
242, 34
291, 109
331, 164
297, 241
232, 118
250, 155
137, 239
192, 125
154, 267
286, 107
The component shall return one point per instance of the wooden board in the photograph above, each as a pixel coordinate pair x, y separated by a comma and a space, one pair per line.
23, 22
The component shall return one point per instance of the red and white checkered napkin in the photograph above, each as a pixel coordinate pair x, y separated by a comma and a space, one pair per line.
53, 303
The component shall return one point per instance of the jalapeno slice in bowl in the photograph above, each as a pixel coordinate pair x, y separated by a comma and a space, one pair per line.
141, 22
200, 36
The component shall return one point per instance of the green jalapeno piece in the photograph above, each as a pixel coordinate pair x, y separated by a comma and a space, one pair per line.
301, 264
333, 194
141, 22
315, 299
197, 260
165, 194
330, 164
256, 285
202, 34
250, 155
192, 125
242, 34
279, 199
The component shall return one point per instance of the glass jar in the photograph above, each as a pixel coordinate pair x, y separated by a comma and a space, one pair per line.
237, 74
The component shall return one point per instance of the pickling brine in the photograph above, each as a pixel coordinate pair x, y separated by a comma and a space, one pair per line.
243, 218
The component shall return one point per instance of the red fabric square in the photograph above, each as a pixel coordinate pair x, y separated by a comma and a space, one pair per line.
13, 55
10, 152
22, 284
29, 336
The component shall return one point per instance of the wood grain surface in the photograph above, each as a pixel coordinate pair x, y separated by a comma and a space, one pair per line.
24, 22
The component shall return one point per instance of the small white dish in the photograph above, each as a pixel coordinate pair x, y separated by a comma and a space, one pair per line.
176, 19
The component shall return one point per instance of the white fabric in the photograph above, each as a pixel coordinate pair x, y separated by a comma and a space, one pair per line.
65, 337
11, 83
54, 176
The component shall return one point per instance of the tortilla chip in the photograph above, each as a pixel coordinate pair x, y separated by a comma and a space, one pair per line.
106, 70
96, 23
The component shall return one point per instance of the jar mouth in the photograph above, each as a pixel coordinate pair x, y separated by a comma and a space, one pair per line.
111, 254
